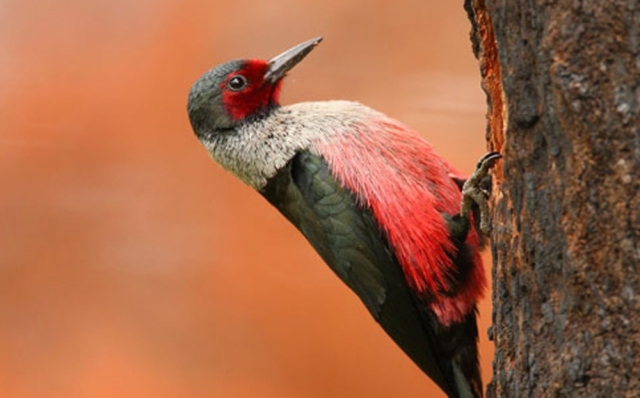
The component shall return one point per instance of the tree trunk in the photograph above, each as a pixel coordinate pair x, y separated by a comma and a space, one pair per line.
562, 79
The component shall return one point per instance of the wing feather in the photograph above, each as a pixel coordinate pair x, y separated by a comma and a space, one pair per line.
348, 238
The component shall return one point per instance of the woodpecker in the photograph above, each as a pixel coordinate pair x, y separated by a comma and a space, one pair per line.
392, 218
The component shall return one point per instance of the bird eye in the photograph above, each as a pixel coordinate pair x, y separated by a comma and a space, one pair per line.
237, 83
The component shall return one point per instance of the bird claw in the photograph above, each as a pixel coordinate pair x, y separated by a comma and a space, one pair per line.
473, 193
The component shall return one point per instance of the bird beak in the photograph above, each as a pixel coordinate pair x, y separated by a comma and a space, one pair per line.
282, 63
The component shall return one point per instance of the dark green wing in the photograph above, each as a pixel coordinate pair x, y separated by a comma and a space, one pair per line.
348, 238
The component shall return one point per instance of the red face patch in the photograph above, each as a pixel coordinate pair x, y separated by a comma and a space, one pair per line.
244, 92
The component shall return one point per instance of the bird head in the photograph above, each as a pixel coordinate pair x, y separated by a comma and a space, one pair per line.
239, 90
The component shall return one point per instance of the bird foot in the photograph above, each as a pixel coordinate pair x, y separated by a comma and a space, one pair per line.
472, 191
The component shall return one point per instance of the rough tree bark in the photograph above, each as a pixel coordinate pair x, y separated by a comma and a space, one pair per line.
562, 79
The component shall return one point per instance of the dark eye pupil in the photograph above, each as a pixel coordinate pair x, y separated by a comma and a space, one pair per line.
237, 83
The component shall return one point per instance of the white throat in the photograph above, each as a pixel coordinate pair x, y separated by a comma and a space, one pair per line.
256, 151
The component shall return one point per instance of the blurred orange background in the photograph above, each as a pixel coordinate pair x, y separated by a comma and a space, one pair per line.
133, 266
